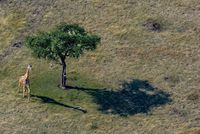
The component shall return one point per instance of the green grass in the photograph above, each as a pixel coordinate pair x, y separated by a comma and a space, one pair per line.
46, 85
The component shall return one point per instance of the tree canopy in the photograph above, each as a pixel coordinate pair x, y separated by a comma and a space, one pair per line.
65, 40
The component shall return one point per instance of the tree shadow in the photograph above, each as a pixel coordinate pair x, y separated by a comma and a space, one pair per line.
136, 96
45, 99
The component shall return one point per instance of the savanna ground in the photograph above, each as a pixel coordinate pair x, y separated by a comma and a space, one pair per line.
138, 81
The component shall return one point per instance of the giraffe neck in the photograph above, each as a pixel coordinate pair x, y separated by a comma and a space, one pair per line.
27, 74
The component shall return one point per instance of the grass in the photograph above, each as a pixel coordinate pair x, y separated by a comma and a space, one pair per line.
166, 60
49, 88
10, 25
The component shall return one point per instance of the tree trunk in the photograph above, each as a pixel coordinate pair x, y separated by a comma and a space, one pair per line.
63, 74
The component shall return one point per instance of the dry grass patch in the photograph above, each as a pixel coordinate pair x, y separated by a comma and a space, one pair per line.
10, 24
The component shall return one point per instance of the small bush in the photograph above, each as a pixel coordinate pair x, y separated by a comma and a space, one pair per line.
152, 25
193, 96
94, 125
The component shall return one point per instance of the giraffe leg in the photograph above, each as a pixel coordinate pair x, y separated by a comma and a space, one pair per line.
28, 92
24, 90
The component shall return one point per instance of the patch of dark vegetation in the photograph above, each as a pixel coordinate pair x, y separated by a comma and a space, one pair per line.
197, 30
94, 125
193, 96
152, 25
17, 44
136, 96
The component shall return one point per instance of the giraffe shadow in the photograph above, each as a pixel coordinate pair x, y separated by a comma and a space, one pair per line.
135, 96
45, 99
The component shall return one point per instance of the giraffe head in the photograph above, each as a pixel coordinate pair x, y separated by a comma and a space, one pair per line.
29, 67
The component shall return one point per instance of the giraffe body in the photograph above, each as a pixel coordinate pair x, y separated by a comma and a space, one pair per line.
24, 82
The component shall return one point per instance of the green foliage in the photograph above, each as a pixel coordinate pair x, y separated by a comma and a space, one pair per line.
64, 40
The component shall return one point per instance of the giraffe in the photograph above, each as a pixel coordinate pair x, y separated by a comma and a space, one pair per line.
25, 83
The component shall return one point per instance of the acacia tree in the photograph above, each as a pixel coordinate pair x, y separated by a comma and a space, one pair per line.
65, 40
